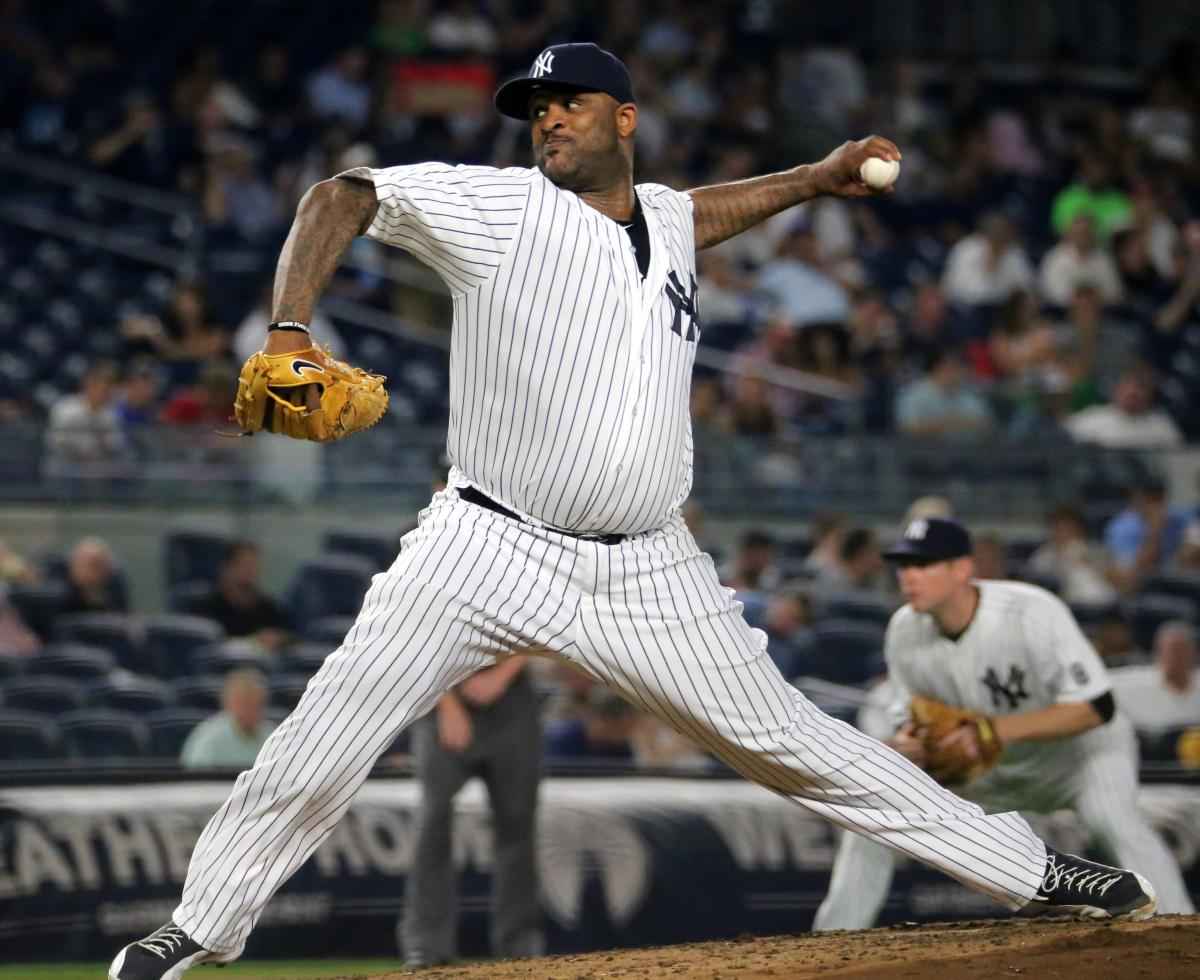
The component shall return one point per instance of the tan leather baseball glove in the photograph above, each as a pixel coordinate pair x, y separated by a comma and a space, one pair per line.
970, 755
307, 395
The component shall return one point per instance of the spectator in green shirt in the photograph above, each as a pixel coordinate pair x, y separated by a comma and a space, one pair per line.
231, 739
1095, 194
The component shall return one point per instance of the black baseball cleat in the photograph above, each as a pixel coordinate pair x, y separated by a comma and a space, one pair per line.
165, 954
1089, 890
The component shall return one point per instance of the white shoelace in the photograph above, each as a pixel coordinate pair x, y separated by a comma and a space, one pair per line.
1082, 879
164, 942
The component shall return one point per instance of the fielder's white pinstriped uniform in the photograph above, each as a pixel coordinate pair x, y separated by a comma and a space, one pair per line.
1022, 651
569, 397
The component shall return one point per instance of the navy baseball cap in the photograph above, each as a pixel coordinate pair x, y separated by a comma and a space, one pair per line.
930, 539
566, 67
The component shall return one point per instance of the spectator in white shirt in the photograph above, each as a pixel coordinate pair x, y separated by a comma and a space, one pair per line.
83, 429
986, 267
1129, 420
1079, 565
1165, 695
1079, 261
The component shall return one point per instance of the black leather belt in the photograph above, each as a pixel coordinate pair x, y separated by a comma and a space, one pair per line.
473, 496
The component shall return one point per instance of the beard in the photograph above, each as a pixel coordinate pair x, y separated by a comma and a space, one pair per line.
578, 168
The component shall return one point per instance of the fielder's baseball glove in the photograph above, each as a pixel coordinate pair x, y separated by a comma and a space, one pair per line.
276, 392
953, 765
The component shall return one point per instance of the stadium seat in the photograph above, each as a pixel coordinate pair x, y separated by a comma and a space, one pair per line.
857, 606
379, 550
1051, 583
117, 633
27, 737
39, 605
187, 597
328, 630
305, 658
220, 658
173, 638
847, 651
1147, 612
99, 733
191, 556
170, 727
75, 660
332, 585
123, 691
287, 689
46, 695
202, 692
1179, 584
12, 665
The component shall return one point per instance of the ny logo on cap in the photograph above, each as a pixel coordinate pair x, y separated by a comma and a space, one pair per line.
917, 530
542, 64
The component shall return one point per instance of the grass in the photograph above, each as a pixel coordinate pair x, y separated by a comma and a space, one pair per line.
242, 970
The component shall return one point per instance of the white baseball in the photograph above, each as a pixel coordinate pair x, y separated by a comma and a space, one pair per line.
878, 173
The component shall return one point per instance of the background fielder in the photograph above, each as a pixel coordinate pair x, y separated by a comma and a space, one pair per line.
1018, 655
576, 323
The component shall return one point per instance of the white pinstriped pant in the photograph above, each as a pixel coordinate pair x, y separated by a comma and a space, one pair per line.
648, 617
1102, 789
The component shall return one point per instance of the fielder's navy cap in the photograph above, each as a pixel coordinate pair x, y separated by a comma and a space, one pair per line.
571, 67
930, 539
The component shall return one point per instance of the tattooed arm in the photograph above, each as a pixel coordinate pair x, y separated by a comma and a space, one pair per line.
329, 217
725, 210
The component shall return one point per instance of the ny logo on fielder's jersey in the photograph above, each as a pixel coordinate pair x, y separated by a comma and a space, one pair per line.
684, 302
542, 65
1011, 691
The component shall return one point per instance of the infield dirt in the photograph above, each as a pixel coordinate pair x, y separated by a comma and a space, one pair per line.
1165, 948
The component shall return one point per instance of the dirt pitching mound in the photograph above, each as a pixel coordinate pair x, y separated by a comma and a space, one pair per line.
1165, 948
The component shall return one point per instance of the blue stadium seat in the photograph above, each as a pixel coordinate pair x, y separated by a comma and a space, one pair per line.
858, 606
380, 551
328, 630
332, 585
191, 556
220, 658
199, 692
76, 660
187, 597
172, 639
39, 605
1179, 584
305, 658
99, 733
170, 727
47, 695
27, 737
847, 651
287, 689
118, 633
124, 691
12, 665
1147, 613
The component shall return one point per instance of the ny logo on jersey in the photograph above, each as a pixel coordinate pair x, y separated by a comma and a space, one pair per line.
1010, 693
542, 65
684, 302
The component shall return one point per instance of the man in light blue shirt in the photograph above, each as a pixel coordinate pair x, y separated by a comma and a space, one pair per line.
232, 738
941, 404
799, 287
1146, 534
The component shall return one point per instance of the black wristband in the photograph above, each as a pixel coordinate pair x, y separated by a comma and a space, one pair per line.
287, 325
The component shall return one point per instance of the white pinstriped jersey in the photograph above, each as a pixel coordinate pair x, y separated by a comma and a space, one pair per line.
1022, 651
569, 374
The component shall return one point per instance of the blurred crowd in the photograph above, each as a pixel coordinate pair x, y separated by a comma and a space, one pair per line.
72, 640
1034, 275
